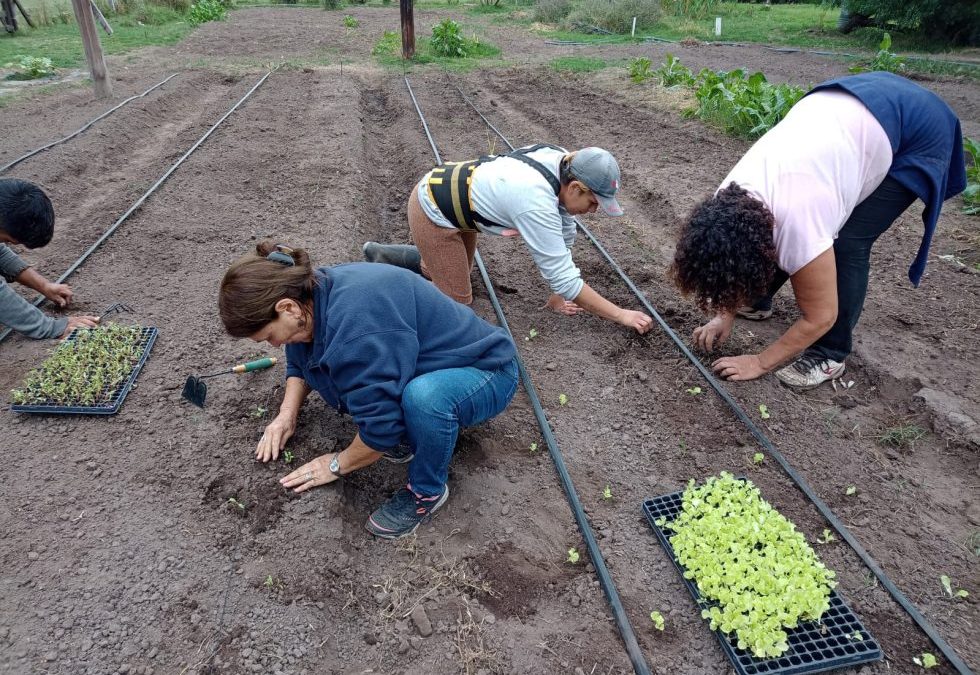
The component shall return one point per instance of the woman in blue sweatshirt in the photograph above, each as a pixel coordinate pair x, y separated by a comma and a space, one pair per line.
382, 344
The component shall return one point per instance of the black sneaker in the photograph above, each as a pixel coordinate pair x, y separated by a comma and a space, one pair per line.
402, 514
399, 255
401, 455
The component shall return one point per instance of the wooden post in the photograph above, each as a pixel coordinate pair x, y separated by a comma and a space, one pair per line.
408, 29
93, 48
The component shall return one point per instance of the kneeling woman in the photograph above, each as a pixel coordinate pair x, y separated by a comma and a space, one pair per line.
386, 346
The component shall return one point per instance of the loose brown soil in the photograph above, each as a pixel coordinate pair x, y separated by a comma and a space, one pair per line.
121, 552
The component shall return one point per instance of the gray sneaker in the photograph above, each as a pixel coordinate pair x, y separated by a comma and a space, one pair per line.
808, 372
399, 255
403, 513
753, 314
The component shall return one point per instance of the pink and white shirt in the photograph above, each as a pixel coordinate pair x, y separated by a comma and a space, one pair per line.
822, 160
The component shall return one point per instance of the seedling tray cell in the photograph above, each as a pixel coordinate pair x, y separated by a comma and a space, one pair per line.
814, 647
148, 336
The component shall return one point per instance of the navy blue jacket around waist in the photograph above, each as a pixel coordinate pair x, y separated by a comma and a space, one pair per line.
375, 328
927, 144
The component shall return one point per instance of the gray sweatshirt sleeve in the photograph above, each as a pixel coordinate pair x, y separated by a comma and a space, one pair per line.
543, 233
23, 317
11, 264
568, 228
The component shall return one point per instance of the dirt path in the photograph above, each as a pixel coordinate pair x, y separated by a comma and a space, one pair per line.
121, 551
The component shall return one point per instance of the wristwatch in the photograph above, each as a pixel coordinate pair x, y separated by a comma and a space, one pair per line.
335, 466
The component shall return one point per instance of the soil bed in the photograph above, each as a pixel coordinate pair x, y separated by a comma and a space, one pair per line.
122, 552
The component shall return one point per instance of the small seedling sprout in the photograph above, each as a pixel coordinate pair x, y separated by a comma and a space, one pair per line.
694, 391
857, 637
826, 537
925, 660
533, 447
607, 492
531, 334
758, 458
288, 457
572, 555
764, 411
850, 490
562, 399
948, 587
237, 504
658, 620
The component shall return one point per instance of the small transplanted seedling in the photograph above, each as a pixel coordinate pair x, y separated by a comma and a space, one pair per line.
235, 503
562, 399
857, 637
533, 447
259, 411
851, 490
948, 587
288, 457
572, 555
272, 583
607, 492
531, 334
658, 620
826, 537
764, 411
350, 23
758, 458
693, 391
925, 660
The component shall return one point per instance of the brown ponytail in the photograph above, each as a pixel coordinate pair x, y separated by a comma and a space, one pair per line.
254, 284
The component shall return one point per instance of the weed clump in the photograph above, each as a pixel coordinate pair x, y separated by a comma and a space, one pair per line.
615, 16
551, 11
204, 11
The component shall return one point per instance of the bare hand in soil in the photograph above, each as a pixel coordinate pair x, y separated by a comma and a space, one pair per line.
737, 368
310, 475
715, 332
59, 294
638, 321
274, 439
558, 304
79, 322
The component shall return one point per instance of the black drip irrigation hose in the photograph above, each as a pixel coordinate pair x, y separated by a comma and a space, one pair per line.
17, 161
764, 441
139, 202
605, 579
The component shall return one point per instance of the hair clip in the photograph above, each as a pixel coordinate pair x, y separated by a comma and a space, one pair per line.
282, 255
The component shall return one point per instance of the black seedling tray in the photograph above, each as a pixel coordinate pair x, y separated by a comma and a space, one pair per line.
814, 647
148, 336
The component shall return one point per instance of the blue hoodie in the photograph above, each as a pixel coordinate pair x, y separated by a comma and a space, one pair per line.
375, 328
927, 144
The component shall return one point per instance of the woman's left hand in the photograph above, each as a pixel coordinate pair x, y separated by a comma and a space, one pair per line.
310, 475
737, 368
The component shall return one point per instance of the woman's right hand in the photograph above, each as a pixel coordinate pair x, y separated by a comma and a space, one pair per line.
276, 434
79, 322
715, 332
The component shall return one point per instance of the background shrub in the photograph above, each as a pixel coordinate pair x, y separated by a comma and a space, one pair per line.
551, 11
615, 16
946, 21
447, 39
203, 11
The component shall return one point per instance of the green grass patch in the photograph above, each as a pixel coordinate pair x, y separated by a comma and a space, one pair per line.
578, 64
63, 44
388, 52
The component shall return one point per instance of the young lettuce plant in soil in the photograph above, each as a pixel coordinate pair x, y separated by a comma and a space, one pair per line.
84, 371
750, 562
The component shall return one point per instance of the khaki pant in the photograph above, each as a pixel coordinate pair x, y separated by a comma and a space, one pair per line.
447, 254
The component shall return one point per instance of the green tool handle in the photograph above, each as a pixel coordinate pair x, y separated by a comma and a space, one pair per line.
261, 364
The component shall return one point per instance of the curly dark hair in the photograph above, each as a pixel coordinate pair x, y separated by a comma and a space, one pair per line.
725, 255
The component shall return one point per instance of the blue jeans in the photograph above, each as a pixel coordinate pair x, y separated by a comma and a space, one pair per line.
852, 254
437, 405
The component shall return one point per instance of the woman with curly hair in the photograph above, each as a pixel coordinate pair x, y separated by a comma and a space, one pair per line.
806, 203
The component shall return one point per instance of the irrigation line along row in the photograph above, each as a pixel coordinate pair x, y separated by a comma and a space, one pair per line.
139, 202
71, 136
605, 579
764, 441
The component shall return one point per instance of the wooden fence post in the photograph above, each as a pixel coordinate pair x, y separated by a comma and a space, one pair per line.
93, 48
408, 29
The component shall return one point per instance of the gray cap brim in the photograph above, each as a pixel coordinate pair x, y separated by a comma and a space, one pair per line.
609, 205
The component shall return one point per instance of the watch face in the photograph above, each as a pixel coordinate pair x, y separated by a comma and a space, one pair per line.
335, 465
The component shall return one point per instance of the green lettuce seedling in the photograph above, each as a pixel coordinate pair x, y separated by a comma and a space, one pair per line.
572, 555
693, 391
533, 447
758, 458
826, 537
850, 490
288, 457
562, 399
926, 660
607, 492
658, 620
764, 411
533, 333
